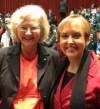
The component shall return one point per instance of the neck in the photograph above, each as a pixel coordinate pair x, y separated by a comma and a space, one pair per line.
29, 54
74, 65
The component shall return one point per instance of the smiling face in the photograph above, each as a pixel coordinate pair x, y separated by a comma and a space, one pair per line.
72, 40
74, 32
29, 34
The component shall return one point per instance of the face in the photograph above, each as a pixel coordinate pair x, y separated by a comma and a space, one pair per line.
29, 34
98, 35
72, 41
91, 37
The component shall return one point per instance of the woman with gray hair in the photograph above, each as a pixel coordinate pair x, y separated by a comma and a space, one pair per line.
27, 68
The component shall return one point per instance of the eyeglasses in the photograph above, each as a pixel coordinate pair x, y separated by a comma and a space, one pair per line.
24, 29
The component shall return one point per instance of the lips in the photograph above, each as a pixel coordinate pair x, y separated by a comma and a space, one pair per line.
71, 47
28, 39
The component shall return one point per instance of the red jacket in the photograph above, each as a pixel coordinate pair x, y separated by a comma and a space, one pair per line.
62, 98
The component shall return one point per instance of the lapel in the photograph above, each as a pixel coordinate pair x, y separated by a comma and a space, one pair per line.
58, 73
42, 62
13, 59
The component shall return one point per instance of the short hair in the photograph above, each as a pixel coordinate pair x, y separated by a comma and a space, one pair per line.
36, 13
78, 20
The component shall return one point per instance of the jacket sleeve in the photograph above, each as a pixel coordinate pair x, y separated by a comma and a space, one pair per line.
0, 75
97, 91
97, 86
2, 57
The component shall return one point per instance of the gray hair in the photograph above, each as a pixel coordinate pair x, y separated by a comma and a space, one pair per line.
36, 13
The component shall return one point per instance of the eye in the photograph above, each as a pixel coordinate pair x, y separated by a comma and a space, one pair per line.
76, 35
64, 36
35, 28
23, 28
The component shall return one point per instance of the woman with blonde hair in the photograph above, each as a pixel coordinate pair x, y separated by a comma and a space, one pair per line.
77, 83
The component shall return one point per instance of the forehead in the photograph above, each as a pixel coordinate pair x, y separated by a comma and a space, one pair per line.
29, 22
71, 27
26, 19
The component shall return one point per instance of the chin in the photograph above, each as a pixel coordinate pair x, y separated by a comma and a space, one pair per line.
71, 55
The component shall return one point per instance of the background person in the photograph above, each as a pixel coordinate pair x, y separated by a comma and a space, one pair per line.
98, 43
94, 44
63, 9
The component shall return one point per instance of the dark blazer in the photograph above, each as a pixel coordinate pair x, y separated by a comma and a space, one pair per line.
10, 72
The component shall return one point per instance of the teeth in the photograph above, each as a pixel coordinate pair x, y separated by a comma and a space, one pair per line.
28, 39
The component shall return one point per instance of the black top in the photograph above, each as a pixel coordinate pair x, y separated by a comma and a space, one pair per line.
67, 77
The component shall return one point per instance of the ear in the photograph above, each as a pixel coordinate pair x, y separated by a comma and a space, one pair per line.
86, 39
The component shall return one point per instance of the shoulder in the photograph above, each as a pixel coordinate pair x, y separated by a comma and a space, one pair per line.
52, 51
3, 51
54, 54
11, 50
49, 51
93, 77
94, 66
3, 54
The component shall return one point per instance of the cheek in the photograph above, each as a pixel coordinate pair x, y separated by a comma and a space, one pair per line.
19, 35
61, 45
37, 36
81, 47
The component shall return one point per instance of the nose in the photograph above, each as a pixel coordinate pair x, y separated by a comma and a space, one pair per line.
70, 39
28, 31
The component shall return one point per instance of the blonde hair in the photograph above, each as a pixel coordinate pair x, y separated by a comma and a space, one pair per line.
36, 13
77, 20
